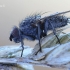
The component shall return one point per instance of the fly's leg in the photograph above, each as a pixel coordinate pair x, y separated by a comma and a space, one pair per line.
58, 39
39, 32
22, 48
21, 42
54, 31
46, 27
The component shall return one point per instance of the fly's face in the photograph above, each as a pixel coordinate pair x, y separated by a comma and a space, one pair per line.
16, 39
15, 35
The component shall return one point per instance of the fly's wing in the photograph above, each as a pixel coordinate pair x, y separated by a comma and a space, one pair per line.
57, 14
57, 21
53, 18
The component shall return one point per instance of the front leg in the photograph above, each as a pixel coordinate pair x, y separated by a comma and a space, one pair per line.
22, 48
21, 41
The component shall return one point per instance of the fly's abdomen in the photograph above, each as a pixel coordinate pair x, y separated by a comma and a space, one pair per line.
57, 21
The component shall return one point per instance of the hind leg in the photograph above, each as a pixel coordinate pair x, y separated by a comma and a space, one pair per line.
54, 31
57, 38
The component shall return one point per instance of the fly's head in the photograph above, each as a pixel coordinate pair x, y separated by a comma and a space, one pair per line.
15, 35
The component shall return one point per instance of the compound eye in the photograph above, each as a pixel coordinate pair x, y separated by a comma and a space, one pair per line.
14, 33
